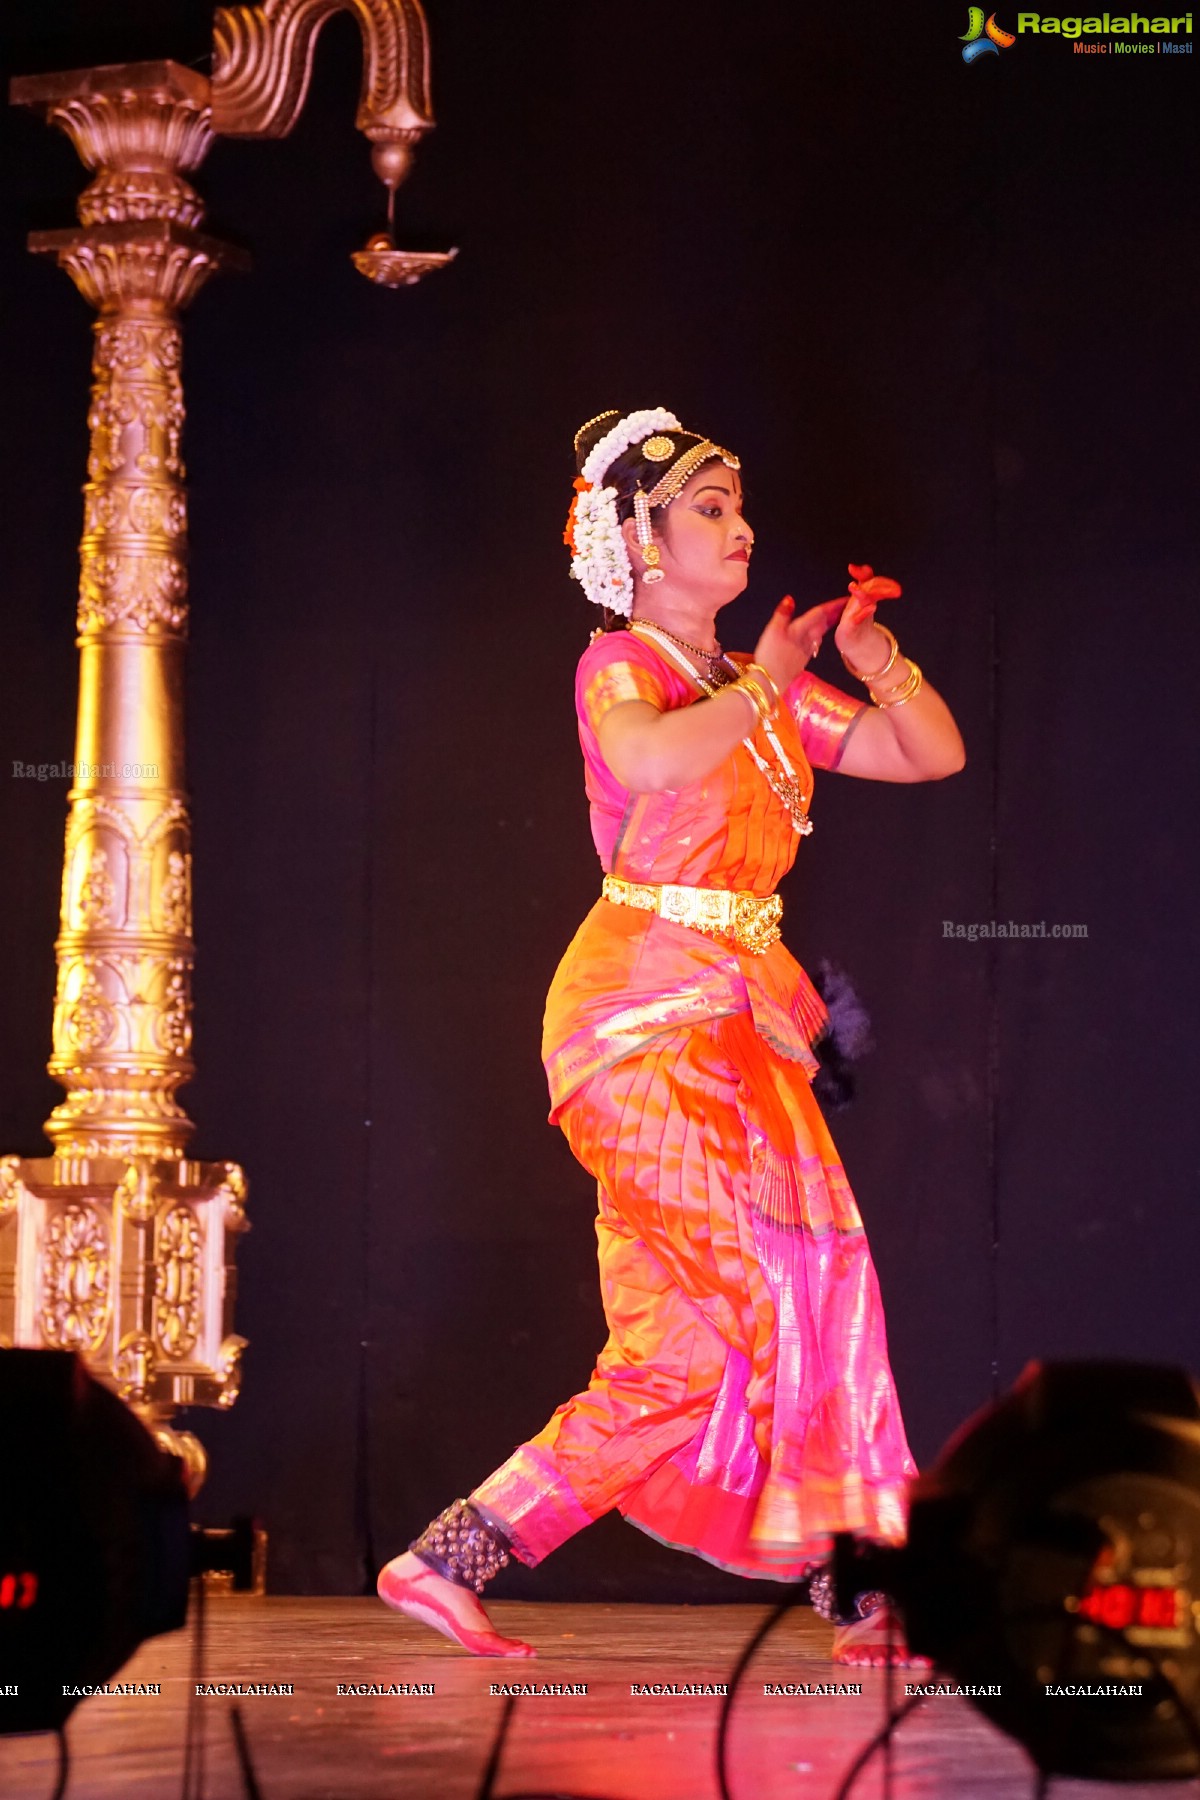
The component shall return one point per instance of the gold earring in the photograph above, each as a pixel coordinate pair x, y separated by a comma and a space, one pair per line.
651, 555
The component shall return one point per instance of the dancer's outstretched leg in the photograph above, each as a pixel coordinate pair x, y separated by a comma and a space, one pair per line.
439, 1578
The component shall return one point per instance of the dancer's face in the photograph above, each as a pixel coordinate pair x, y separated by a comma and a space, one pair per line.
704, 538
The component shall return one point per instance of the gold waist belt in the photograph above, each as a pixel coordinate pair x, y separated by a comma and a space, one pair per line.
750, 920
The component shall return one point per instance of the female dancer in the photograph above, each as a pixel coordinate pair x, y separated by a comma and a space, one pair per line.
742, 1407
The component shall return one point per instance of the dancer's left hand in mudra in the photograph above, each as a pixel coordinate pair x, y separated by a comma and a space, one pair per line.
856, 637
790, 640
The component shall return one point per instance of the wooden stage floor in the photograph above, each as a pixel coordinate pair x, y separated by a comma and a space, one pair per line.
317, 1745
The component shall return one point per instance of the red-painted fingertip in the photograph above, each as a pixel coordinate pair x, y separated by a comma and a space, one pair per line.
787, 604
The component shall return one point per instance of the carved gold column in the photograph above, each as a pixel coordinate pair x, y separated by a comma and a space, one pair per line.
123, 1248
119, 1246
122, 1020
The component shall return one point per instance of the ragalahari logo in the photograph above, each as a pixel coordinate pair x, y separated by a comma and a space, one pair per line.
983, 38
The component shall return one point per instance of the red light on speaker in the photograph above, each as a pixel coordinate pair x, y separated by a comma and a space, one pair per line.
1120, 1606
18, 1591
1159, 1606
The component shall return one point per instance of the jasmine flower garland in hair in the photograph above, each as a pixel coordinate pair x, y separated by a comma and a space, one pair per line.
600, 562
599, 558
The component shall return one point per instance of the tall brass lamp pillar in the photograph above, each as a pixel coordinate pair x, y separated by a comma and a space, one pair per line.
119, 1246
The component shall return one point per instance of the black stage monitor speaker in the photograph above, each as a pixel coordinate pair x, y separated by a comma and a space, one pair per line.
1053, 1565
94, 1542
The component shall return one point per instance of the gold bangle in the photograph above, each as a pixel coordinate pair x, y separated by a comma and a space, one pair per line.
768, 693
764, 675
908, 689
736, 687
756, 696
759, 696
903, 682
858, 674
903, 690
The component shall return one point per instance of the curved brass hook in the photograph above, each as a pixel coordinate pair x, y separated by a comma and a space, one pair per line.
262, 64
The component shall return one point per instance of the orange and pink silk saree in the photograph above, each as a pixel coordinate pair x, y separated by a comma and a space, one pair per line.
742, 1407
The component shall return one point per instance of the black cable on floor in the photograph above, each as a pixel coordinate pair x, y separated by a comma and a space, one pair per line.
743, 1663
241, 1745
889, 1697
64, 1764
193, 1740
882, 1737
487, 1787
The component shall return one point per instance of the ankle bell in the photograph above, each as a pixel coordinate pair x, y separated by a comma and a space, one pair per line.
823, 1600
461, 1545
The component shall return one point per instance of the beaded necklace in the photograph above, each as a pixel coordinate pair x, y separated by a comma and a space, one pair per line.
716, 659
783, 781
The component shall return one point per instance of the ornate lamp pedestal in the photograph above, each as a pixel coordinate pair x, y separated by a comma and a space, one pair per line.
129, 1262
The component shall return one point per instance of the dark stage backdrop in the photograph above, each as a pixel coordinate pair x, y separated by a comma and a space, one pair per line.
945, 314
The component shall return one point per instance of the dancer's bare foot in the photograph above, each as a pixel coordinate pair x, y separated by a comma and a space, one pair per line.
864, 1643
413, 1588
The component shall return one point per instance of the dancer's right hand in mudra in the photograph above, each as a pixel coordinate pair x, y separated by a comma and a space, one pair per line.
652, 751
791, 639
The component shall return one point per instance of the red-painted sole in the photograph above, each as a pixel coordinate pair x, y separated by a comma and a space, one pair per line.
405, 1594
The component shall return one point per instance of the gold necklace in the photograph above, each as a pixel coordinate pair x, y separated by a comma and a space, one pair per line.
783, 781
715, 658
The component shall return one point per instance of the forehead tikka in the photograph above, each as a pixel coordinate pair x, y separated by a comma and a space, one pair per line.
676, 477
